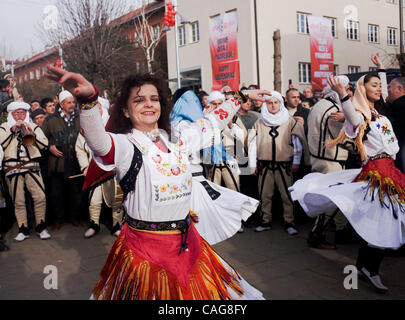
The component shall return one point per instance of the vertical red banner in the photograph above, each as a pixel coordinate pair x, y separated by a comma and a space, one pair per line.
224, 51
320, 30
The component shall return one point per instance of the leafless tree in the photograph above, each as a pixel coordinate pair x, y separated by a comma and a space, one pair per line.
93, 40
147, 36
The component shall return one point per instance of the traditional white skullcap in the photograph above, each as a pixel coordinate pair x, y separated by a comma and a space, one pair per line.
64, 95
215, 95
13, 106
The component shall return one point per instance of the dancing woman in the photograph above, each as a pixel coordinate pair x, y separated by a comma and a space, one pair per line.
372, 198
159, 254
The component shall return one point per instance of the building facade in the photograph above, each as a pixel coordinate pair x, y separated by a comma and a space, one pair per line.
360, 28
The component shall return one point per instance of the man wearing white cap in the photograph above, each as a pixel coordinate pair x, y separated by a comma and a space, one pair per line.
325, 121
22, 141
62, 129
105, 192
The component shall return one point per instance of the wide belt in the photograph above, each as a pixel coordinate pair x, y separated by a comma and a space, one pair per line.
180, 225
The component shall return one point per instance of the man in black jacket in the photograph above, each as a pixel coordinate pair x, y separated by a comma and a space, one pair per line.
62, 129
396, 114
295, 109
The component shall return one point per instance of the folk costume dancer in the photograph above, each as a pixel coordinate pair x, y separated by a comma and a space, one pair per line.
159, 254
372, 198
21, 166
276, 145
214, 204
325, 121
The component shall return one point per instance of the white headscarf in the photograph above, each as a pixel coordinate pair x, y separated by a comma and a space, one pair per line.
17, 105
333, 95
273, 120
105, 104
215, 95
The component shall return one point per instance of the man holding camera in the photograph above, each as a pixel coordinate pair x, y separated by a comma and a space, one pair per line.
22, 141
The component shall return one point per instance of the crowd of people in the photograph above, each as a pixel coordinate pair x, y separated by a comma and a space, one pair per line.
265, 151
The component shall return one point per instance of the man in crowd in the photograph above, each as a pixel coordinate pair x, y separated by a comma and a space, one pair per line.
396, 114
13, 88
38, 117
295, 109
35, 105
325, 121
62, 129
22, 142
6, 96
48, 105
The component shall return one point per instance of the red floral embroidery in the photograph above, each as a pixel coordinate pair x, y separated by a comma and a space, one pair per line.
157, 159
222, 114
176, 171
235, 101
181, 143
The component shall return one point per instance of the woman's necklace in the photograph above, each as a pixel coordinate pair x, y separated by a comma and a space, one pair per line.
153, 135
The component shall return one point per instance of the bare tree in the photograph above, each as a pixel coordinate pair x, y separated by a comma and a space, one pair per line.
93, 40
147, 36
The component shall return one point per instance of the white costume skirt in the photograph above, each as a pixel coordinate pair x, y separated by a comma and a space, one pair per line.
220, 210
372, 213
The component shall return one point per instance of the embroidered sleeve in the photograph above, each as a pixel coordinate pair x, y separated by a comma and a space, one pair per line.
206, 132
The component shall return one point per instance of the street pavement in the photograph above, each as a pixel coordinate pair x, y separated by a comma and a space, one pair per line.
281, 266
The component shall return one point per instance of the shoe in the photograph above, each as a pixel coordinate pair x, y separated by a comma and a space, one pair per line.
375, 280
92, 230
319, 242
241, 230
116, 230
263, 227
291, 231
21, 237
44, 235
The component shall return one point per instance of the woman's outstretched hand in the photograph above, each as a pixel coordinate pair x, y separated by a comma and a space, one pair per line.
258, 94
337, 86
73, 82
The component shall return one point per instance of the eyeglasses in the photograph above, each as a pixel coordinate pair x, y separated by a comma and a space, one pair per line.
229, 93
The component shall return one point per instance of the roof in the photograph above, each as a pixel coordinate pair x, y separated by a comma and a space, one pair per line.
151, 8
39, 56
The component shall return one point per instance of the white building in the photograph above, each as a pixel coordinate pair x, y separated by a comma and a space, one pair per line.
361, 27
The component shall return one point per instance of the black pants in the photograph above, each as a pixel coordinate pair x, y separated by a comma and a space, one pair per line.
65, 196
370, 258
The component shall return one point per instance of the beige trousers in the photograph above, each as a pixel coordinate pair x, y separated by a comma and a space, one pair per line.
96, 202
16, 187
225, 175
267, 184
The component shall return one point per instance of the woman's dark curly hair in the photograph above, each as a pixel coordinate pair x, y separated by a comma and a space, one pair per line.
119, 123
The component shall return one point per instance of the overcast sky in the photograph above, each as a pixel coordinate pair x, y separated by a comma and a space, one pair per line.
19, 35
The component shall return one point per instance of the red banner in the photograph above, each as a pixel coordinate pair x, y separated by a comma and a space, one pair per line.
224, 51
320, 30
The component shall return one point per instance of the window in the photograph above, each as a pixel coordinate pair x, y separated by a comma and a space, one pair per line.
390, 1
21, 80
373, 33
26, 77
352, 30
31, 75
354, 69
182, 36
302, 23
334, 24
38, 74
156, 31
304, 70
335, 69
392, 36
196, 31
372, 69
